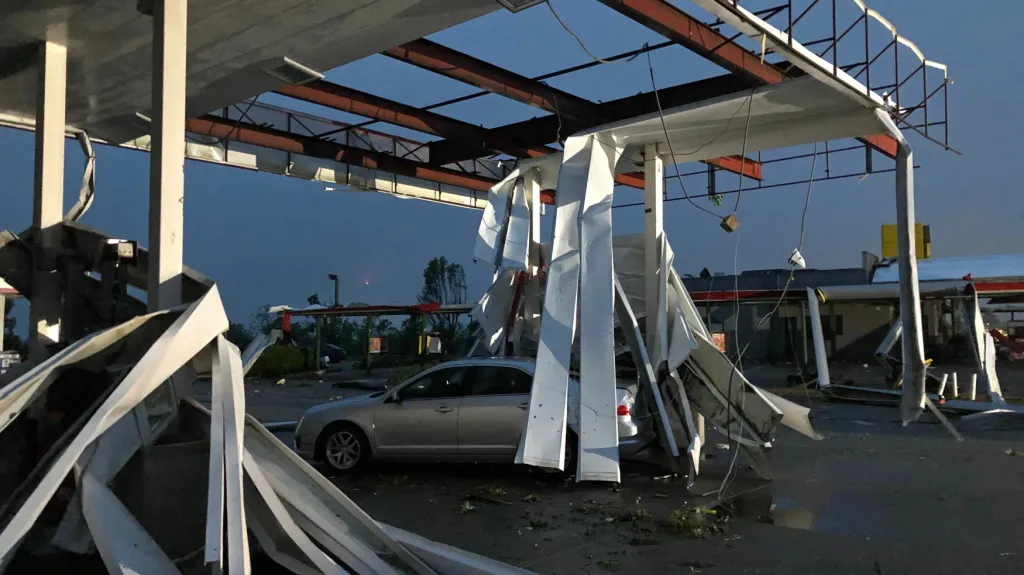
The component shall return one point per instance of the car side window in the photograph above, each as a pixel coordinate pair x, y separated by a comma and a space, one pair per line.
500, 380
436, 385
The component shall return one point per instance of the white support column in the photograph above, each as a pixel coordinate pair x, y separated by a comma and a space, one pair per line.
655, 278
167, 158
48, 205
910, 297
3, 302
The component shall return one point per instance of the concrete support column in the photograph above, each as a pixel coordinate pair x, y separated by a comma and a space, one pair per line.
167, 156
655, 277
48, 205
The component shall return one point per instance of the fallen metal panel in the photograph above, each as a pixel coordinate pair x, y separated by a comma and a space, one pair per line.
298, 536
327, 495
543, 441
820, 356
124, 545
690, 313
197, 326
256, 348
890, 339
227, 374
515, 254
794, 415
983, 348
631, 332
273, 539
449, 560
34, 383
733, 404
599, 438
213, 552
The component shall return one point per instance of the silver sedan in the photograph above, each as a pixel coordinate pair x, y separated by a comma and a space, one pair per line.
466, 410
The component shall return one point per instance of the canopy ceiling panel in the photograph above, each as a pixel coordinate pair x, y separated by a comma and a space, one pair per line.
230, 44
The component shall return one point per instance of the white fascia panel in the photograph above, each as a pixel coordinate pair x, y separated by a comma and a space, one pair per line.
489, 238
543, 441
515, 253
599, 438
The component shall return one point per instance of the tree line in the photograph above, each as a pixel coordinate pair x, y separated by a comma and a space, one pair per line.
444, 282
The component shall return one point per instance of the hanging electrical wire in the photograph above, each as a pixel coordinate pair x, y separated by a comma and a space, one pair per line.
584, 46
734, 446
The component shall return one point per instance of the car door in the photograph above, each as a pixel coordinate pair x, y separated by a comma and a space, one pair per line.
492, 413
421, 420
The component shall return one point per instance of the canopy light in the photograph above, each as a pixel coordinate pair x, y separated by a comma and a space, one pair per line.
517, 5
293, 73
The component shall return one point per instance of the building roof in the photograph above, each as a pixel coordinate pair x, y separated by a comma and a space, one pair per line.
1001, 266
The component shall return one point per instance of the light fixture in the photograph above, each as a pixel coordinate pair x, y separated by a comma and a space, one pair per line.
517, 5
293, 73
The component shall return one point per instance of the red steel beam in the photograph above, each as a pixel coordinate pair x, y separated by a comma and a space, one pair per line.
680, 27
307, 145
275, 139
486, 76
465, 68
345, 99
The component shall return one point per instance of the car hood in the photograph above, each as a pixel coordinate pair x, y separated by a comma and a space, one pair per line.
342, 403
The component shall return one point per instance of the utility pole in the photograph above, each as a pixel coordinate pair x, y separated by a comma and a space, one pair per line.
334, 277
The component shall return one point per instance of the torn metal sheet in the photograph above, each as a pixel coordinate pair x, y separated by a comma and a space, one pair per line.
490, 235
728, 399
227, 375
124, 545
794, 415
256, 347
491, 312
599, 436
197, 326
820, 355
325, 502
323, 562
273, 539
515, 252
631, 332
213, 551
543, 442
33, 384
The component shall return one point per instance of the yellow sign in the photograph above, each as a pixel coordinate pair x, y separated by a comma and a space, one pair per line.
922, 237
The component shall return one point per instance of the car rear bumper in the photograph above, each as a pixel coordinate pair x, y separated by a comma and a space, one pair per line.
630, 446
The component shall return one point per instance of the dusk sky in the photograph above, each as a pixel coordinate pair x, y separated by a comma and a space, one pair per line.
270, 239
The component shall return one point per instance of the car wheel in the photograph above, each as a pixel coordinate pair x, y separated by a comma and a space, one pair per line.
344, 448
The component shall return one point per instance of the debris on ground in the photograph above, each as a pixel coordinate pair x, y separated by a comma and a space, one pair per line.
698, 522
466, 507
531, 498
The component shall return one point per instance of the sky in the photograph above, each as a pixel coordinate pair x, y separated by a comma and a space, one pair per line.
268, 239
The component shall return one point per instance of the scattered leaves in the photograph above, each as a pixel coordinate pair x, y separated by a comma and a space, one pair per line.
466, 507
1011, 452
531, 498
698, 522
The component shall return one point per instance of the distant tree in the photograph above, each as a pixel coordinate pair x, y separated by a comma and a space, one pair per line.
314, 299
239, 335
444, 282
262, 321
